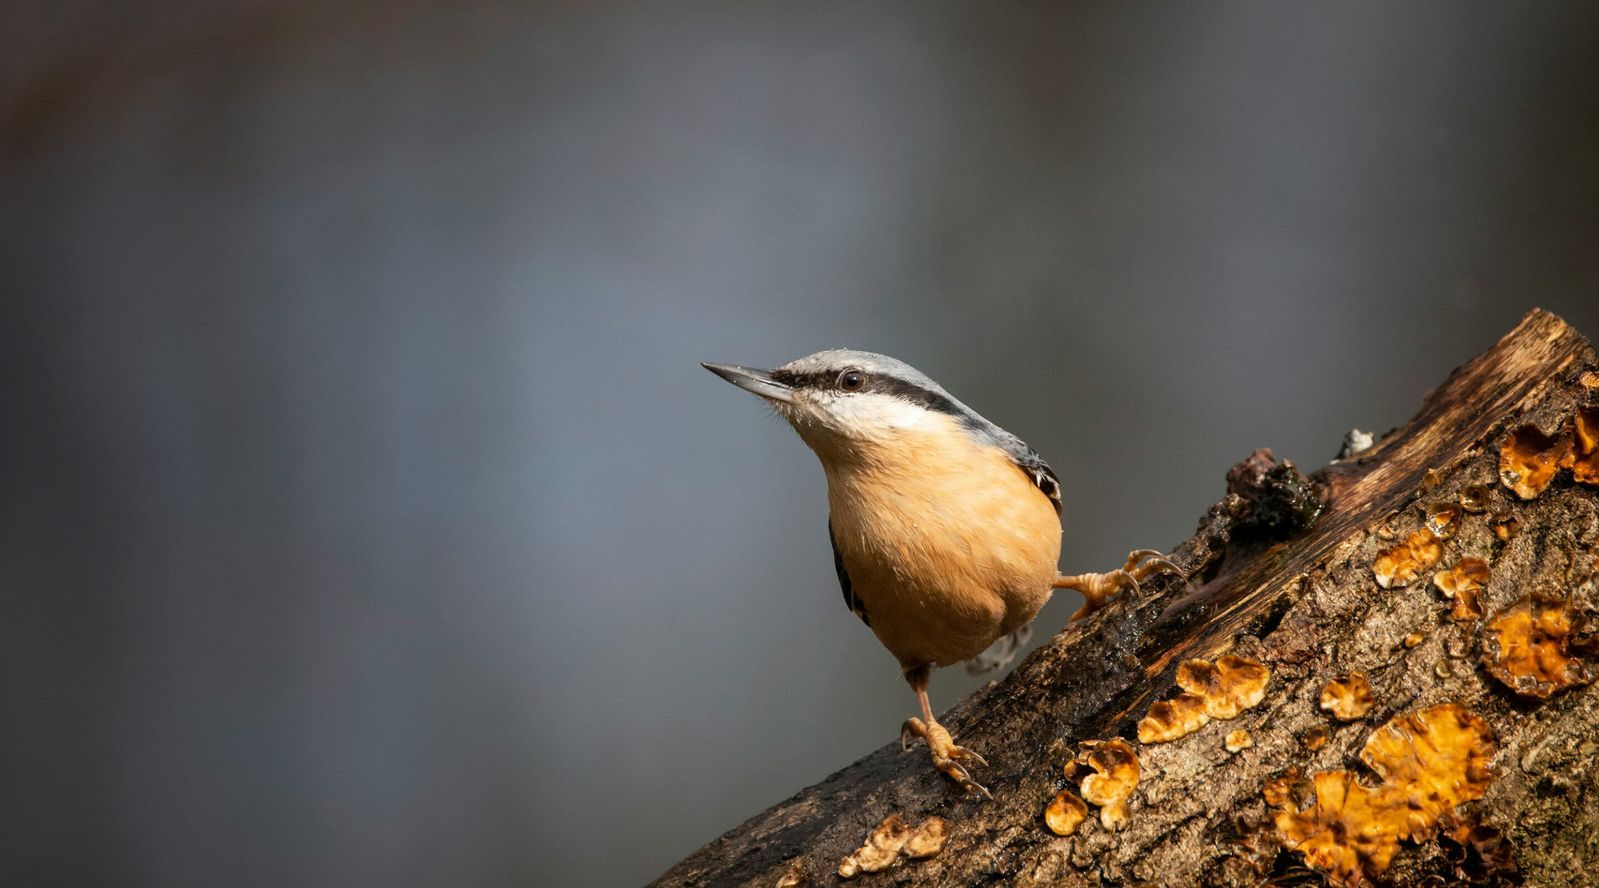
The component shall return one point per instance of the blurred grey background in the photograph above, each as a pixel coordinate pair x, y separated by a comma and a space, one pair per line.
367, 518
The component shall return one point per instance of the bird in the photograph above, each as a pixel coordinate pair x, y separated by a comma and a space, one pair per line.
945, 528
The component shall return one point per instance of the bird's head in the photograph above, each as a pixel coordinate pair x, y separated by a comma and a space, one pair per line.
846, 403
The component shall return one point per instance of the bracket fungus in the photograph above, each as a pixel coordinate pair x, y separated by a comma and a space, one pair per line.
1431, 761
1479, 853
1529, 460
1314, 738
927, 839
1229, 686
1237, 740
1585, 461
793, 875
1219, 690
1443, 520
1428, 762
1474, 498
1115, 775
891, 840
1348, 697
1108, 772
1288, 790
880, 851
1527, 646
1400, 564
1505, 525
1065, 813
1461, 584
1173, 719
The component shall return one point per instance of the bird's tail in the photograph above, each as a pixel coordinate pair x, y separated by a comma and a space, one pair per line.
999, 654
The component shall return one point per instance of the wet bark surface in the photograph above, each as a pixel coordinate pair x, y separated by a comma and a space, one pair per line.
1280, 571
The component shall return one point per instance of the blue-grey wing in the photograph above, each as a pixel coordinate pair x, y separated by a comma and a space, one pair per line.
851, 601
1041, 475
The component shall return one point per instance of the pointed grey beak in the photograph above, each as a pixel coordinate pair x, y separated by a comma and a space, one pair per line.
758, 382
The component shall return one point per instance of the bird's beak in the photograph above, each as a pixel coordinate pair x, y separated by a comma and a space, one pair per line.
759, 382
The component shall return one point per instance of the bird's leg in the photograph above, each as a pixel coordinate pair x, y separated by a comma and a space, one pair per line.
947, 757
1098, 588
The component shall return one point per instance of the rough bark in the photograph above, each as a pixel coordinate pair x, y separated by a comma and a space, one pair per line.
1281, 571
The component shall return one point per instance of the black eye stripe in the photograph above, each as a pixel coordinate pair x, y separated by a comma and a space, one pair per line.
802, 380
879, 384
909, 391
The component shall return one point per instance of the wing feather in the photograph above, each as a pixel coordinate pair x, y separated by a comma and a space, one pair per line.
1042, 476
851, 600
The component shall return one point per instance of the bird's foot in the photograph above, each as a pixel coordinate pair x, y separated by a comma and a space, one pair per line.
947, 756
1099, 588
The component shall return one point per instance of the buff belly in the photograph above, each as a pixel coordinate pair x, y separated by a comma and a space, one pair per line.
948, 548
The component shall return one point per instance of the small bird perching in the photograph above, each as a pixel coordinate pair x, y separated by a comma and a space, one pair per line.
945, 527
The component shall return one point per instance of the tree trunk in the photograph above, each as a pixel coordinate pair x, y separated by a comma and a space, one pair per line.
1283, 571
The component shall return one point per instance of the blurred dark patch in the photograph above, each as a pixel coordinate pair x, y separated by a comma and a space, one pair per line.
367, 519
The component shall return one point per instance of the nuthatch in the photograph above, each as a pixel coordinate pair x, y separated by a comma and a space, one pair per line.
945, 527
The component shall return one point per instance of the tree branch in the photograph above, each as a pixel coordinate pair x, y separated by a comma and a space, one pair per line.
1281, 572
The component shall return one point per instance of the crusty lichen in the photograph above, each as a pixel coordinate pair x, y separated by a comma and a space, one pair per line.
1219, 690
1428, 762
1527, 647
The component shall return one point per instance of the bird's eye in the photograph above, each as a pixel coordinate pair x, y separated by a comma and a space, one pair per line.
851, 380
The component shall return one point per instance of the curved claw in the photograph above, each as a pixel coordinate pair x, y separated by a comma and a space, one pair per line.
960, 775
1152, 563
1127, 580
962, 754
1116, 581
1138, 555
1098, 588
947, 756
913, 727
